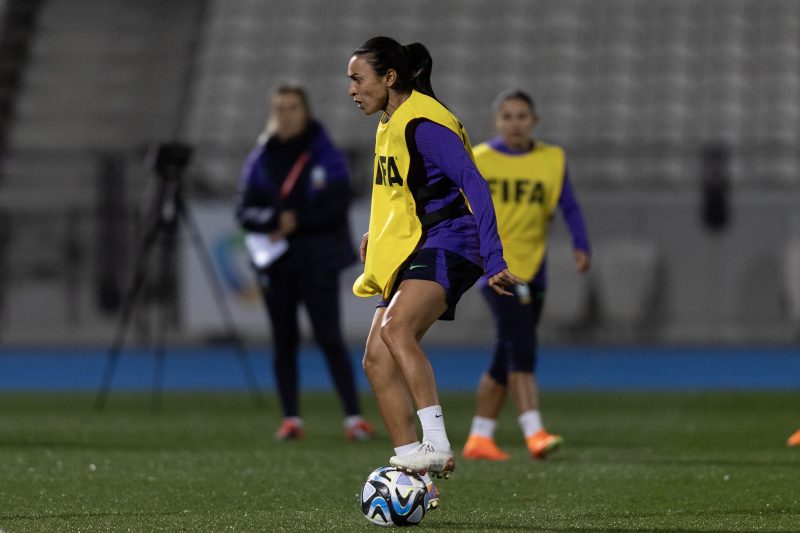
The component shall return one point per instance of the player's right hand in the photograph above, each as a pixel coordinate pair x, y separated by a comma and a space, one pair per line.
362, 250
582, 261
502, 281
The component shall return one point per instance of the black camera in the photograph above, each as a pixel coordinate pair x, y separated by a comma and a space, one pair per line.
171, 158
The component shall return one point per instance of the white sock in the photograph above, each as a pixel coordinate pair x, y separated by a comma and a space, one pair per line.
296, 419
483, 427
352, 420
433, 431
530, 422
406, 448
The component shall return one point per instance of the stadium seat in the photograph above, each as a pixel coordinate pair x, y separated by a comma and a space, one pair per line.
792, 280
626, 275
567, 302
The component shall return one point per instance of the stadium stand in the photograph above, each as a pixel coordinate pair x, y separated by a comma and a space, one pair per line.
102, 78
613, 78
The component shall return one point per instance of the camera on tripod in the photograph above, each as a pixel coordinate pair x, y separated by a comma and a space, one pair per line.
170, 159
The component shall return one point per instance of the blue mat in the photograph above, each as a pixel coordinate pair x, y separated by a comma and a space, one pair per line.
218, 369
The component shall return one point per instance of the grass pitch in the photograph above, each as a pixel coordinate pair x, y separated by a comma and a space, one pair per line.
206, 462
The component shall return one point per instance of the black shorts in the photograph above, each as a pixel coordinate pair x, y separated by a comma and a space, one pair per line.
453, 272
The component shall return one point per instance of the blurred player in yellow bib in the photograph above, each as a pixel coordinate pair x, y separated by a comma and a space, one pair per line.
528, 180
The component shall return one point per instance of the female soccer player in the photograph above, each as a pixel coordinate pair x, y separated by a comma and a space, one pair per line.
528, 180
295, 186
424, 247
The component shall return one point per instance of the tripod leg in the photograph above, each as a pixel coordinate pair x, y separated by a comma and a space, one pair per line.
222, 305
158, 371
128, 305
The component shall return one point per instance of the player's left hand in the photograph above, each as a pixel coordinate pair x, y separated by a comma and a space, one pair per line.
502, 281
582, 261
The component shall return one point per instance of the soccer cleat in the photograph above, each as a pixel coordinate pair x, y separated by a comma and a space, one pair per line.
542, 443
360, 431
794, 440
480, 447
425, 458
289, 430
433, 493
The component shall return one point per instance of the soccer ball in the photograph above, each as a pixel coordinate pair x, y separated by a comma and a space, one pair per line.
391, 497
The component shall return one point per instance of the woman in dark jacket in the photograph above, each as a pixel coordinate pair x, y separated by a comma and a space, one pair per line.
295, 188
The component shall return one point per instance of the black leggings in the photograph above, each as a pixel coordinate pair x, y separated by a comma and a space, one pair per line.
319, 292
516, 339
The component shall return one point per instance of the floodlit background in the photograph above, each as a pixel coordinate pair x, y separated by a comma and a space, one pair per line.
680, 120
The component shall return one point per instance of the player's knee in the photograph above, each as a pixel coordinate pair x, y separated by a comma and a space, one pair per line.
523, 362
394, 333
389, 332
285, 352
372, 355
499, 374
368, 359
287, 343
366, 363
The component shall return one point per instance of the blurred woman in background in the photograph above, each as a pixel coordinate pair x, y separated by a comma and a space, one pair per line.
528, 180
294, 194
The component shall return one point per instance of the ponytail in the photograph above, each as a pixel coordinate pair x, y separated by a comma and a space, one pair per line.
412, 62
420, 66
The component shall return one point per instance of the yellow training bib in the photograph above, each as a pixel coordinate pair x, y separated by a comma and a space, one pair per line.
394, 226
525, 192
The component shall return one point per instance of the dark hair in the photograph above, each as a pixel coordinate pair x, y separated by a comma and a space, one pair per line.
513, 94
412, 62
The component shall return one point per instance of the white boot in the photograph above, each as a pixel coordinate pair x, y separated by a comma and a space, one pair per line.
426, 458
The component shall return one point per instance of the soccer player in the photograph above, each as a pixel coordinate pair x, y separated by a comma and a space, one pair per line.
794, 440
295, 186
528, 180
424, 247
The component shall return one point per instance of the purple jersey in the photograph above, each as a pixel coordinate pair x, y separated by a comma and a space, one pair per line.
473, 237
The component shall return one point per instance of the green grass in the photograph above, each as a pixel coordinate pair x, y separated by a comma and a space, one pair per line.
632, 462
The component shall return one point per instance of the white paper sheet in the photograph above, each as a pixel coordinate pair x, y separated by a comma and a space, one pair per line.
264, 251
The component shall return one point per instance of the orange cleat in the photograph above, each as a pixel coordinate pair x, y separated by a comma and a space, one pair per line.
479, 447
794, 440
542, 443
360, 431
289, 430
